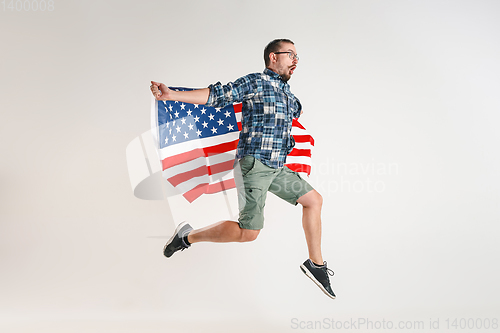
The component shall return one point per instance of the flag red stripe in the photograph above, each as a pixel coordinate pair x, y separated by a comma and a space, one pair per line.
296, 123
300, 152
297, 167
220, 167
304, 138
221, 186
198, 152
185, 176
182, 158
195, 193
237, 107
201, 171
220, 148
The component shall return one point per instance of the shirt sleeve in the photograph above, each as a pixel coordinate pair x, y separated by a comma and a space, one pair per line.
233, 92
298, 109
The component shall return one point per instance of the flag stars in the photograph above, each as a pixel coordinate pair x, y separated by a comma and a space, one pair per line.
184, 118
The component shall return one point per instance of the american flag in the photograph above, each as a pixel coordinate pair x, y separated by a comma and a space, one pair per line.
197, 146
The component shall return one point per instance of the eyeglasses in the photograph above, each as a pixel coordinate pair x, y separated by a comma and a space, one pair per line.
291, 55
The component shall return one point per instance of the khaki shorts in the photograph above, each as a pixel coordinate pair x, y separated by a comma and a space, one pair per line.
254, 179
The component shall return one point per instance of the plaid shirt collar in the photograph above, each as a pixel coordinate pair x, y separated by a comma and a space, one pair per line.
271, 73
276, 76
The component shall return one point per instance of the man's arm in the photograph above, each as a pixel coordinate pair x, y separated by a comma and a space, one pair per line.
162, 93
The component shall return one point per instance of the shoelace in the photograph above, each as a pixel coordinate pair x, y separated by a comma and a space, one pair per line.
328, 270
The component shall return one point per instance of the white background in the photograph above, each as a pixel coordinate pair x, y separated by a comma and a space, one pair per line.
402, 95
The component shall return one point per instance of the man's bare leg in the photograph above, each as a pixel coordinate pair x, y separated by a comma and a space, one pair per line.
311, 222
222, 232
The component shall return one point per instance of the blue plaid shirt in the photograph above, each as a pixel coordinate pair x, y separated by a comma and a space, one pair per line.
268, 107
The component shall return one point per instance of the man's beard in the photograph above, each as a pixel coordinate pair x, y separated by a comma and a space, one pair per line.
285, 77
286, 74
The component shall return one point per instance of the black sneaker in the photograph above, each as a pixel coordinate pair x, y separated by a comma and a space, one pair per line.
319, 275
176, 242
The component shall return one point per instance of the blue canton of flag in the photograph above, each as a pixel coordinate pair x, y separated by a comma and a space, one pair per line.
181, 122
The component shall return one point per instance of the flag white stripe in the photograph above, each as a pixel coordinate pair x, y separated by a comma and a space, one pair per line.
221, 176
298, 159
220, 158
303, 145
192, 183
200, 143
184, 167
299, 131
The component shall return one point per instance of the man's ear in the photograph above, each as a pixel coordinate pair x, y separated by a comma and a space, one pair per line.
272, 57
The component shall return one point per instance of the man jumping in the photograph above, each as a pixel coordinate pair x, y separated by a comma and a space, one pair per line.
268, 107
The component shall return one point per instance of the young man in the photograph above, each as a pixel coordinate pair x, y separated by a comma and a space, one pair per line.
268, 107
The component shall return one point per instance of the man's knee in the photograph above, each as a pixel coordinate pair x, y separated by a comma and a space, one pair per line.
311, 199
248, 235
319, 199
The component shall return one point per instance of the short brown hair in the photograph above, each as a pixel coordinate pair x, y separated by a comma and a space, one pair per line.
273, 47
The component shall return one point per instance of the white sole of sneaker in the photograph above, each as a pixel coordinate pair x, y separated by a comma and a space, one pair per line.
179, 227
309, 275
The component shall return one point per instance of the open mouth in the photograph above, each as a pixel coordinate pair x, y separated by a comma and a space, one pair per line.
292, 69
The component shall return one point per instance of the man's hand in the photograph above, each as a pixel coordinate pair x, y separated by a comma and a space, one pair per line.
196, 96
160, 91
